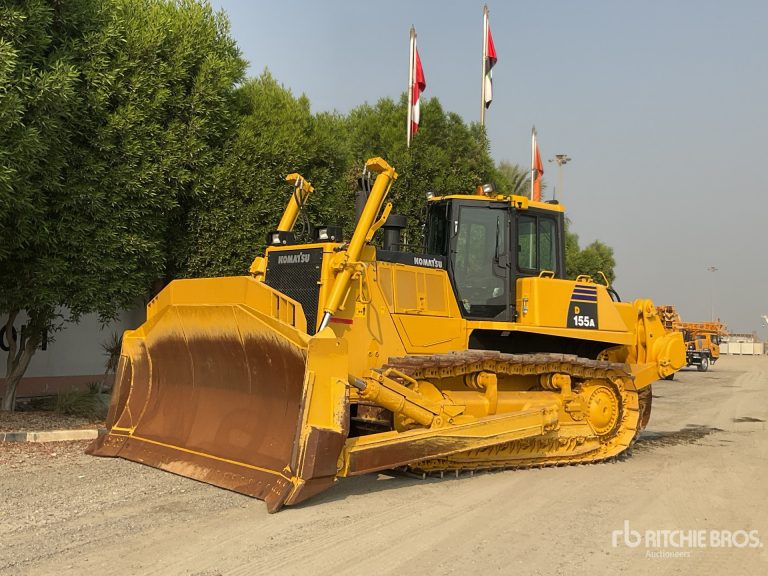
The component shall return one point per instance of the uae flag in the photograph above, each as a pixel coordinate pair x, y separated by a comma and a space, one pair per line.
489, 58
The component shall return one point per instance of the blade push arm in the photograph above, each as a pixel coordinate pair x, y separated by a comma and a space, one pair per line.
386, 175
302, 188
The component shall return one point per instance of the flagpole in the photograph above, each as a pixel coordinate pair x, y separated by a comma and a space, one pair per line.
409, 92
533, 158
485, 62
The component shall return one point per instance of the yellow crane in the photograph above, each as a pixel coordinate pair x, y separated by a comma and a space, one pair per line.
702, 339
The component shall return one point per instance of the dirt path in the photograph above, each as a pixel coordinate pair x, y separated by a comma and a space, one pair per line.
701, 466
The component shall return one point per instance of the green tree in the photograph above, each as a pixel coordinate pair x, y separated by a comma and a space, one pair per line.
514, 179
247, 193
278, 134
111, 115
595, 258
39, 106
446, 155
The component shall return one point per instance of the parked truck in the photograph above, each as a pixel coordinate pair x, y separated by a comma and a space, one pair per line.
702, 339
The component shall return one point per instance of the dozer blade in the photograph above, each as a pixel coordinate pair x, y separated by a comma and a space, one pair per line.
222, 384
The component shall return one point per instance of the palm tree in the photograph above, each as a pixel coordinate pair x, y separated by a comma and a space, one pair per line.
517, 178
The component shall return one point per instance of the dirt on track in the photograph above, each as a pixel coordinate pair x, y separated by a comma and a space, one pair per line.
702, 465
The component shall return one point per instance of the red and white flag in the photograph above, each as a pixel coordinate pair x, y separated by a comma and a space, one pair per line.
489, 59
419, 84
416, 85
537, 168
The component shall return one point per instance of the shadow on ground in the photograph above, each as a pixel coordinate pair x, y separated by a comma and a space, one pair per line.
691, 434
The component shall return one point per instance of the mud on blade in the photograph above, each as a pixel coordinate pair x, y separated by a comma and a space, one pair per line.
221, 386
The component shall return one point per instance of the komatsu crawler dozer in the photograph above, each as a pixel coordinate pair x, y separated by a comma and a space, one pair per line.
337, 358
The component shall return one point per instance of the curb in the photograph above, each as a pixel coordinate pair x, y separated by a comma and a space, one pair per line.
51, 435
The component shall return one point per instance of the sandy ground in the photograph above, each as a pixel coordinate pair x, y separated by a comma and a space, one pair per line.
701, 468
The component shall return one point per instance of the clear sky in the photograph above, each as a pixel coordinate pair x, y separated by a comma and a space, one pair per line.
662, 105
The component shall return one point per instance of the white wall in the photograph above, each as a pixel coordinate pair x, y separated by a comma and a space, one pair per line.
76, 350
742, 348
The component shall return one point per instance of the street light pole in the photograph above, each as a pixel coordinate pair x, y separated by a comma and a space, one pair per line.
561, 160
712, 269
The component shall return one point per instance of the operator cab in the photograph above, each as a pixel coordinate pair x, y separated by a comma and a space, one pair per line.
491, 242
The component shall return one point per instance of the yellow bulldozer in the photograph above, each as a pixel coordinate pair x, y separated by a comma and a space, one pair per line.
337, 358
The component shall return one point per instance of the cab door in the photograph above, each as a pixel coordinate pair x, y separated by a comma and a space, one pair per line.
480, 260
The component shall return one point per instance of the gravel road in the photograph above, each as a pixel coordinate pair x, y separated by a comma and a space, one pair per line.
700, 471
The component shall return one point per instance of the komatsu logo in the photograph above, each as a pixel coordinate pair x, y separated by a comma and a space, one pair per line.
428, 262
300, 258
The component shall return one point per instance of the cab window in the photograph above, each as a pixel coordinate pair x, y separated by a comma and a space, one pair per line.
547, 244
526, 243
536, 244
480, 244
437, 225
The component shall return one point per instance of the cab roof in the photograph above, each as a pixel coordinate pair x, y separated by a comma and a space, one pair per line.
519, 202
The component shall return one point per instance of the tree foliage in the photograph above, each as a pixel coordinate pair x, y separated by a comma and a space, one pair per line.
277, 135
595, 258
112, 114
514, 179
131, 152
446, 155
